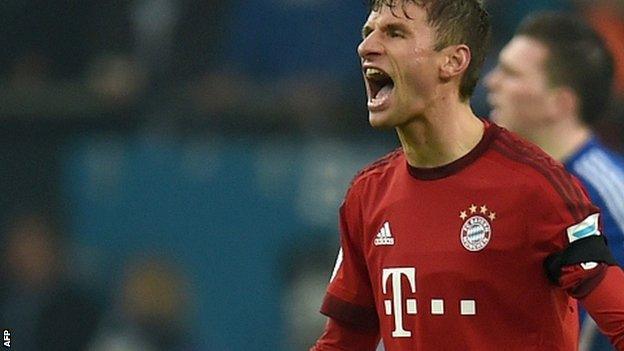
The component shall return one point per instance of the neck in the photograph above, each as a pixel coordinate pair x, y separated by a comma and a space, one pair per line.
440, 136
561, 140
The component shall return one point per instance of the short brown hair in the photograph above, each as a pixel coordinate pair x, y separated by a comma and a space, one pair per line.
577, 58
456, 22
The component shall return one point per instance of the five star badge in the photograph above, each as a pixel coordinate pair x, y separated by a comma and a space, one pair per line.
476, 231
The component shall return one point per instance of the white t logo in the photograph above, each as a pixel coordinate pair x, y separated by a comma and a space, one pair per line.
396, 304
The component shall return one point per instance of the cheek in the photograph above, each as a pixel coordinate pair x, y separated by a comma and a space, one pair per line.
522, 96
416, 80
412, 68
529, 107
517, 104
419, 55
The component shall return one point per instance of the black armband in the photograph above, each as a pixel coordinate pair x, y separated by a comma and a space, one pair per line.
590, 249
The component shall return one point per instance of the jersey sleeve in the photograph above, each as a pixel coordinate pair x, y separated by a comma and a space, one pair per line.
582, 221
338, 337
597, 284
349, 298
605, 303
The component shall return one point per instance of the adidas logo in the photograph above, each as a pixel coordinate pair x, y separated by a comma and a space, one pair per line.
384, 237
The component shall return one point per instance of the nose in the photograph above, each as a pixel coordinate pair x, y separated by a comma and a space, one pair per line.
369, 46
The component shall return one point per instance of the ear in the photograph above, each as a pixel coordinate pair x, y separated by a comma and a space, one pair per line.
456, 59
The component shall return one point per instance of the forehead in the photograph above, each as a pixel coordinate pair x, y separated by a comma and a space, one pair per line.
524, 52
408, 13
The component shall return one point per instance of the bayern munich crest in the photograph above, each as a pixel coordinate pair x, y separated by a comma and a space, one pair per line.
477, 230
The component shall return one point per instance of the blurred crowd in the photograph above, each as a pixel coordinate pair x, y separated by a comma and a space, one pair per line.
45, 305
174, 67
184, 64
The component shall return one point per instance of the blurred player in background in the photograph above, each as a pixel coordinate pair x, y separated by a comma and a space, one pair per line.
552, 83
467, 237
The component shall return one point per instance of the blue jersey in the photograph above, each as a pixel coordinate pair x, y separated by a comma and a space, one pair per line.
601, 170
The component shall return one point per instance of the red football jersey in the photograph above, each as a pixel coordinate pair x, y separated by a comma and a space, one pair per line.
451, 258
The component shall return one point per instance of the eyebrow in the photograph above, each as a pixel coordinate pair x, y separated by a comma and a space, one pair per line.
393, 26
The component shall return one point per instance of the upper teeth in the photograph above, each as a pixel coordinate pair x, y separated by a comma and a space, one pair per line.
373, 71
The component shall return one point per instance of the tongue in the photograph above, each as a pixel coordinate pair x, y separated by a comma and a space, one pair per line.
384, 92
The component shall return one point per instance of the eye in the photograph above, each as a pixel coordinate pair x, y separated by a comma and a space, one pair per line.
395, 33
366, 31
507, 71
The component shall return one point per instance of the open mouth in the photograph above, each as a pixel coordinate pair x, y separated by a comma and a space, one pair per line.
380, 86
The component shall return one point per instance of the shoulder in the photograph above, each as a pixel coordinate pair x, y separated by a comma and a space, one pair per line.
528, 158
374, 171
602, 171
547, 177
598, 161
375, 174
522, 152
